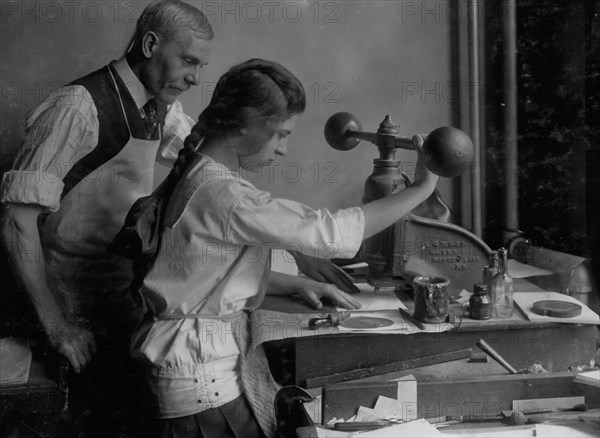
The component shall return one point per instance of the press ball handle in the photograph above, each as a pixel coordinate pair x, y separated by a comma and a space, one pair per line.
447, 151
338, 131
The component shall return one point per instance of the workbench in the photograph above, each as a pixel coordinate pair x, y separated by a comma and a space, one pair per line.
478, 396
318, 360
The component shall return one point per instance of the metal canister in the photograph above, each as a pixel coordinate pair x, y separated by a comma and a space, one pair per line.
480, 305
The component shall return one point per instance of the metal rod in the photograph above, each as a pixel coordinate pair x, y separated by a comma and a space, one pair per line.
474, 109
400, 142
511, 208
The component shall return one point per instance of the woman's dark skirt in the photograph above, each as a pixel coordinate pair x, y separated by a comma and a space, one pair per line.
232, 420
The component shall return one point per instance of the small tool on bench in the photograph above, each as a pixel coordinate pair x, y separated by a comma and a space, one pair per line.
495, 355
355, 426
580, 407
533, 415
465, 419
333, 319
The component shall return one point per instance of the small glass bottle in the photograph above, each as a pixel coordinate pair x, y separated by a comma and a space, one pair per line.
491, 270
480, 305
502, 288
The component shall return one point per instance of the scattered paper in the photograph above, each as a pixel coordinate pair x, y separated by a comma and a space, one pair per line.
386, 407
366, 414
589, 378
464, 297
407, 396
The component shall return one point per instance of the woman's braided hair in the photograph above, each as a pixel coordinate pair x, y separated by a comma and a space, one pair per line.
254, 92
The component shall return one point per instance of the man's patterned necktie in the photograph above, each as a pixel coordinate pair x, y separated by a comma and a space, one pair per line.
150, 118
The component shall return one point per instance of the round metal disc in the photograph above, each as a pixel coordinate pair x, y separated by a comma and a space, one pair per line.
366, 322
556, 308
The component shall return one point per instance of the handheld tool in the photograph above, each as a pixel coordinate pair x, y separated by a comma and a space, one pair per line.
332, 319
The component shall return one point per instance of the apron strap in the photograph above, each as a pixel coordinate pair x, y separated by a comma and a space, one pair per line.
121, 101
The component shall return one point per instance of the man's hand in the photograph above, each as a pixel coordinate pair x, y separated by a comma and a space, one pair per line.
325, 271
76, 343
20, 234
312, 292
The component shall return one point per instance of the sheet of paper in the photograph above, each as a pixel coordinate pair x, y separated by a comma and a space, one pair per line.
525, 302
399, 324
464, 296
522, 270
407, 396
270, 325
386, 407
282, 261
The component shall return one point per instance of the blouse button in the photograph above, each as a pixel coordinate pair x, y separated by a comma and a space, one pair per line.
216, 394
213, 380
195, 380
199, 401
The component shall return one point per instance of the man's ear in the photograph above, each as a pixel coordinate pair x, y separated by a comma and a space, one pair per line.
150, 42
244, 131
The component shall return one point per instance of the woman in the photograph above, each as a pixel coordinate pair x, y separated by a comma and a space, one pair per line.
213, 264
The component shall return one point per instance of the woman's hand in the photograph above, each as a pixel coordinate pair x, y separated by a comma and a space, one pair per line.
422, 173
313, 291
309, 290
325, 271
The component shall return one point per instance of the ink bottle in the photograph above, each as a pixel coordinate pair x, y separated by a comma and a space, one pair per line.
480, 305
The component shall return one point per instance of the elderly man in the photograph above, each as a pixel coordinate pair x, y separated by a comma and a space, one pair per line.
88, 154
